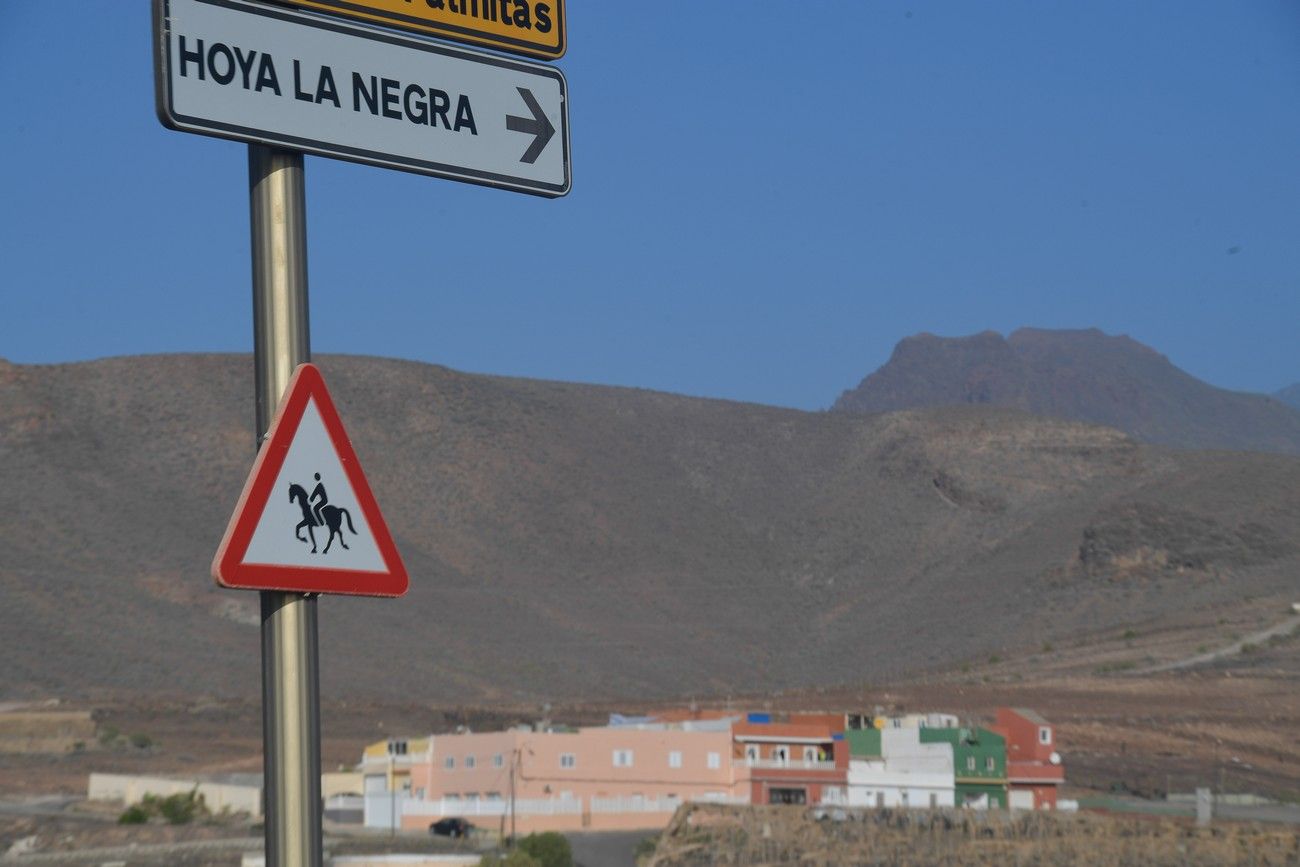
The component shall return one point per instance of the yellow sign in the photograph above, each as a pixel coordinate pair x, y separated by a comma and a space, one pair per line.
531, 27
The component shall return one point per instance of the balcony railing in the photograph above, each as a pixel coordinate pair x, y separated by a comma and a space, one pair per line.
789, 764
482, 807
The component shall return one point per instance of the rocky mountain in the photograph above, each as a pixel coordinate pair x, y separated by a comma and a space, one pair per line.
574, 541
1289, 395
1083, 376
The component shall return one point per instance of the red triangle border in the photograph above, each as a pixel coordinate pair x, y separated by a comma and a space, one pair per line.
228, 567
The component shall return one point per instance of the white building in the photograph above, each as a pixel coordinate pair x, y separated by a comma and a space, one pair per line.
918, 721
907, 773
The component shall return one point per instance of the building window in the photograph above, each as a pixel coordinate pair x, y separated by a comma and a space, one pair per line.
397, 748
469, 762
1044, 734
970, 763
989, 764
751, 752
675, 759
449, 763
622, 758
568, 760
781, 754
715, 761
499, 760
787, 796
810, 754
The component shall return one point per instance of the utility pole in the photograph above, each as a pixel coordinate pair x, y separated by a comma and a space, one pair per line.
514, 769
392, 792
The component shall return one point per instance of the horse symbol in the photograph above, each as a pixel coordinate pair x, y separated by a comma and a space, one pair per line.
331, 517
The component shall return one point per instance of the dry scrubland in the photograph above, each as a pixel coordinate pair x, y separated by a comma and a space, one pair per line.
753, 836
572, 542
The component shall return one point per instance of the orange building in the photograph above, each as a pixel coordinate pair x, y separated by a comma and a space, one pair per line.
801, 761
1034, 769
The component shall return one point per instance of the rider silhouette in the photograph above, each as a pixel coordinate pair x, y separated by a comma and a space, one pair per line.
318, 491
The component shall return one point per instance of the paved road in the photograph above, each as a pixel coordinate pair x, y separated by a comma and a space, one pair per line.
43, 805
1287, 814
607, 849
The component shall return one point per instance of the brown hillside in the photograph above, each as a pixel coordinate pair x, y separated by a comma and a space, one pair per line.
1082, 375
581, 541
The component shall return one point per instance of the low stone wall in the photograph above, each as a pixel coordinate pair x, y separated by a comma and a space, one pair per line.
708, 836
217, 796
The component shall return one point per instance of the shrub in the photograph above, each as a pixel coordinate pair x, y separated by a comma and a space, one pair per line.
141, 741
517, 858
182, 809
178, 809
646, 847
133, 815
549, 849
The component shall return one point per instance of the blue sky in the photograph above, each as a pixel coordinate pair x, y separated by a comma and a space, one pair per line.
767, 196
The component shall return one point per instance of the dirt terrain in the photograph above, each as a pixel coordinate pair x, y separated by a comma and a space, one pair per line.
208, 736
1229, 725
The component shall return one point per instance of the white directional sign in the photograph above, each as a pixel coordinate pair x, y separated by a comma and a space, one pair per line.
276, 76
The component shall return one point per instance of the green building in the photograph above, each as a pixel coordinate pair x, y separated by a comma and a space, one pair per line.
863, 743
979, 760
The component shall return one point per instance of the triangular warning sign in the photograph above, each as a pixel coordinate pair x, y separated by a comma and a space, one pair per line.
307, 521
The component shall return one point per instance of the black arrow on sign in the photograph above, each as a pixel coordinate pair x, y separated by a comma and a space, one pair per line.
539, 125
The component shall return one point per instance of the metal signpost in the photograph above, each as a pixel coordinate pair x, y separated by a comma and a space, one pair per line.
287, 83
290, 659
303, 81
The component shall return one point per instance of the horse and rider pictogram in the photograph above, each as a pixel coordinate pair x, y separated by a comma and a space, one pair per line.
347, 547
316, 512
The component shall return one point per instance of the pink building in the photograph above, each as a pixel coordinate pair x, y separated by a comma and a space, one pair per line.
617, 777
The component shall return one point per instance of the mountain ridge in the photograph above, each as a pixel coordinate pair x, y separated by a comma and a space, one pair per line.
1081, 375
575, 541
